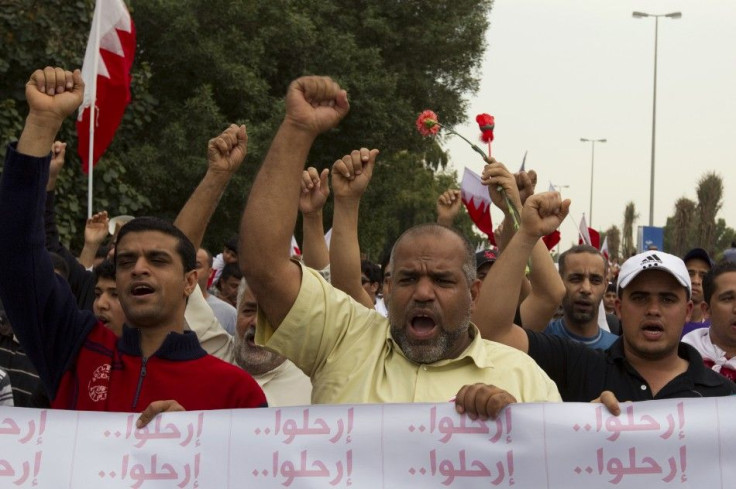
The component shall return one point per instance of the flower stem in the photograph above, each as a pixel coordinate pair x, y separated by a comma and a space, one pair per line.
515, 217
475, 148
512, 208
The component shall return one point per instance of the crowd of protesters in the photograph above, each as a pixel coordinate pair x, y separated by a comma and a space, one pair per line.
153, 322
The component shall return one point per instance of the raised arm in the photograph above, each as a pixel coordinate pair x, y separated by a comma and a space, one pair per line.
448, 207
39, 304
546, 288
315, 191
95, 232
350, 178
225, 153
313, 105
58, 153
81, 280
496, 304
52, 95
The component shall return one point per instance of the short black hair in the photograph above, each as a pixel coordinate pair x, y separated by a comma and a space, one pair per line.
230, 270
232, 243
709, 281
371, 271
184, 247
584, 248
105, 269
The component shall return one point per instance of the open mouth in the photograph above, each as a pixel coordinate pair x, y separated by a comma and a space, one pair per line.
104, 320
653, 331
250, 336
141, 290
422, 325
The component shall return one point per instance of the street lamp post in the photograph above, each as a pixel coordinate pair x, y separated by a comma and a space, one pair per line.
639, 15
592, 167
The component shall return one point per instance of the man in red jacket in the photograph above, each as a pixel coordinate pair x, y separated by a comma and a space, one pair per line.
82, 364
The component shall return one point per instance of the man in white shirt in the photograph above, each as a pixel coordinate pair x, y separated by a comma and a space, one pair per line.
717, 343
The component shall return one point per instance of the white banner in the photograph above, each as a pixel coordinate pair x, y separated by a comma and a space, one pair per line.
672, 443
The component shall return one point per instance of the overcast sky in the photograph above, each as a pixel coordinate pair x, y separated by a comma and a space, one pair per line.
557, 71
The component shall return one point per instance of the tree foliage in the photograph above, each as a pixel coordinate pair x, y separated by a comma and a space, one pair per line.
613, 234
694, 225
201, 65
724, 236
710, 201
679, 232
628, 246
36, 34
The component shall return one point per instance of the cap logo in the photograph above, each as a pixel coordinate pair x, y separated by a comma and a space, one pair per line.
650, 261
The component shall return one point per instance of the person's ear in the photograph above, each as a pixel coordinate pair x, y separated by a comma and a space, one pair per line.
190, 282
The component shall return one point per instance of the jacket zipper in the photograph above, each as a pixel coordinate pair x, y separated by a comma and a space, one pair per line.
140, 381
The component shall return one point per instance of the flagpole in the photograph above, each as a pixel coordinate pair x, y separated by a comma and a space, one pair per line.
93, 105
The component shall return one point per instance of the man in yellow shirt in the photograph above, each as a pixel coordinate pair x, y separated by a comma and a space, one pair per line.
430, 352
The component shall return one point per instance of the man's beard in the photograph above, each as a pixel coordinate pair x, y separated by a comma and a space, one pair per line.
573, 317
432, 350
255, 360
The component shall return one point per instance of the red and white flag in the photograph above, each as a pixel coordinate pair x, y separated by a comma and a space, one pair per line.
588, 235
106, 74
295, 251
478, 203
584, 232
604, 249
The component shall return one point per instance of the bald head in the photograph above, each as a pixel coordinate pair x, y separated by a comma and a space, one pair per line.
440, 232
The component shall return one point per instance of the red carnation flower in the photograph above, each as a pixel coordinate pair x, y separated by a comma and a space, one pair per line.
427, 123
486, 123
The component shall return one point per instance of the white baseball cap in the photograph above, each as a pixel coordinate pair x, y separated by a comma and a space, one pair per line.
654, 260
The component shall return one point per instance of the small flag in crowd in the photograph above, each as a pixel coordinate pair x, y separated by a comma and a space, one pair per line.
478, 203
583, 231
604, 249
295, 251
588, 235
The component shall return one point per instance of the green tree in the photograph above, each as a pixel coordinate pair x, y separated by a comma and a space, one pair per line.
614, 242
628, 245
36, 34
240, 66
710, 201
724, 237
679, 232
201, 65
